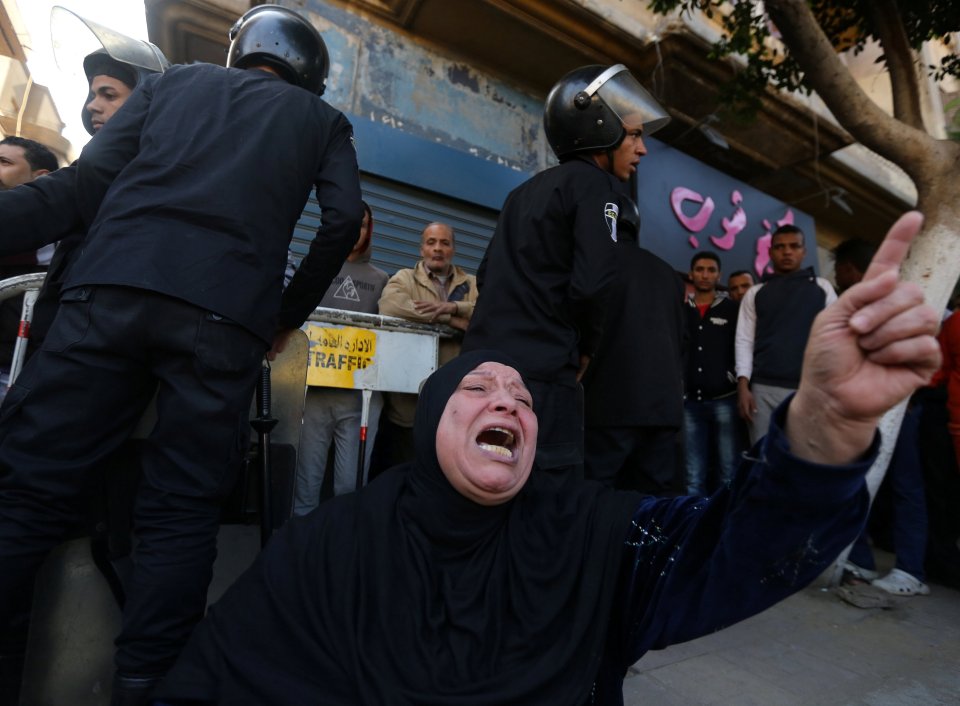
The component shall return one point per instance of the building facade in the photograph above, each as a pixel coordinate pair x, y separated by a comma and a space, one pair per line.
446, 100
26, 108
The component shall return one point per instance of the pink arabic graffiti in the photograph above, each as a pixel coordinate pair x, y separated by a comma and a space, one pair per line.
697, 222
731, 226
762, 261
694, 223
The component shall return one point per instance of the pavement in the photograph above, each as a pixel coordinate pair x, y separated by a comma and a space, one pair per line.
814, 649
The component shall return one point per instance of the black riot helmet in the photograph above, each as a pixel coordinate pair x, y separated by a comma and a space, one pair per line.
283, 40
104, 51
586, 109
103, 62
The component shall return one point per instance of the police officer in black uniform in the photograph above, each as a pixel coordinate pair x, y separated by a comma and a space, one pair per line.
127, 60
48, 212
202, 176
45, 213
633, 388
548, 270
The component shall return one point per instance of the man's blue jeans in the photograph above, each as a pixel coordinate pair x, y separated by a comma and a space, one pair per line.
905, 476
712, 434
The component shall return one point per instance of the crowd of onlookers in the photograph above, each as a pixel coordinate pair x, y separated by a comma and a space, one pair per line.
683, 389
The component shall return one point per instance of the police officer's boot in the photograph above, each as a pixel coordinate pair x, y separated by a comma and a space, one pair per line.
132, 691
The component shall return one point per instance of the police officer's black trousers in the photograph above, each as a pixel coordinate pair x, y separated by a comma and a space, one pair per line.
76, 402
633, 458
559, 408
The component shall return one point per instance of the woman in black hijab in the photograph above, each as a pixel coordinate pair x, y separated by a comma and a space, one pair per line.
465, 578
409, 592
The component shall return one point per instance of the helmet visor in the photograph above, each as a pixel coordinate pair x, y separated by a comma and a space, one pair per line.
73, 38
630, 101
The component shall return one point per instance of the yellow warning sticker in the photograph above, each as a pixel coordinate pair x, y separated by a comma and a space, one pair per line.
335, 354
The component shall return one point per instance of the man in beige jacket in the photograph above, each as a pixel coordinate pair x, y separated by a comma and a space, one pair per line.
435, 291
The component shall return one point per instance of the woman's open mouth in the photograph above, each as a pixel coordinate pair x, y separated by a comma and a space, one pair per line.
497, 440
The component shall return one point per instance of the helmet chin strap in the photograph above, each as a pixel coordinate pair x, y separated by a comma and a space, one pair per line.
609, 153
605, 164
613, 148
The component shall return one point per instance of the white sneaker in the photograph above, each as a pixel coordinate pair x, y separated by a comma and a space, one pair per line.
900, 583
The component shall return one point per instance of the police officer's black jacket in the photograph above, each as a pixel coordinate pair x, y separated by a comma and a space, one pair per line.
38, 213
212, 169
636, 376
547, 272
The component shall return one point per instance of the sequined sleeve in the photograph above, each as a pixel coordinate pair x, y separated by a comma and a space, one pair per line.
692, 566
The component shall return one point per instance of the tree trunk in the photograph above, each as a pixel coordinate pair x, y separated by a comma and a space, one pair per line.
934, 258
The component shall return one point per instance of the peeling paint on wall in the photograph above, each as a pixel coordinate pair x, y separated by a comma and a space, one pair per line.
388, 77
461, 74
344, 53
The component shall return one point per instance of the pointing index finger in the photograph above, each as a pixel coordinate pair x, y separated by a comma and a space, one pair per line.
895, 245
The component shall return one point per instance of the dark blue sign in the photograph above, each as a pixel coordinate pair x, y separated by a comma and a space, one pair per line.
686, 206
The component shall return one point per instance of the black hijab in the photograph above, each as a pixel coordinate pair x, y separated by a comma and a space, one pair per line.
409, 593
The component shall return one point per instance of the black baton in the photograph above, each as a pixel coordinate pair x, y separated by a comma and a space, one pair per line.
263, 423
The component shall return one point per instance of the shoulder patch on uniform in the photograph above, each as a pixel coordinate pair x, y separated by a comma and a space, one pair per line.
611, 212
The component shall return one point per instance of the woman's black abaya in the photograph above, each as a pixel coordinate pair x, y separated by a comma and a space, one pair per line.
409, 593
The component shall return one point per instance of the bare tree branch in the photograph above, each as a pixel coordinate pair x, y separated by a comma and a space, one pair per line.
900, 62
856, 112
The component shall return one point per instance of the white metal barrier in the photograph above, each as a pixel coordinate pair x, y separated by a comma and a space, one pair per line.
28, 285
370, 353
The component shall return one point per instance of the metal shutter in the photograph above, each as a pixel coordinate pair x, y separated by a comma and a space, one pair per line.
400, 213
